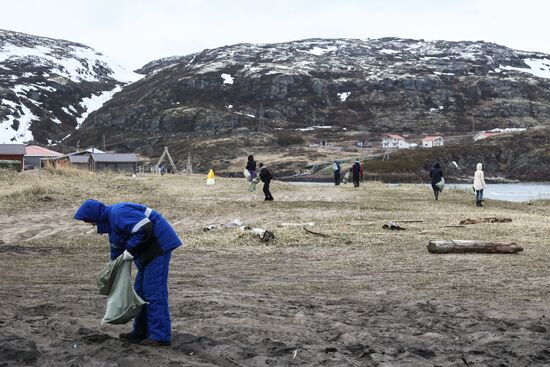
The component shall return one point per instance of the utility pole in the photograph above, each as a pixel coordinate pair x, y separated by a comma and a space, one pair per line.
189, 164
261, 122
104, 146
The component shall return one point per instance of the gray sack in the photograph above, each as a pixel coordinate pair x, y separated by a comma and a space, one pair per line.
440, 184
115, 281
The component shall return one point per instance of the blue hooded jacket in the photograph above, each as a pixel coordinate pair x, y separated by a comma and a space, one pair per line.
131, 227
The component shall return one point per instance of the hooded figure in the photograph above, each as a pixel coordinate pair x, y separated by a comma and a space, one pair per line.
479, 184
357, 172
251, 167
337, 170
436, 175
143, 235
266, 177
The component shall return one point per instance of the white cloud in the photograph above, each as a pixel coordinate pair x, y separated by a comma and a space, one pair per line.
135, 32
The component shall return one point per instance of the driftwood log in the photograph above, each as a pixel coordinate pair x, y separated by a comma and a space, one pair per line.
296, 224
476, 247
409, 220
485, 220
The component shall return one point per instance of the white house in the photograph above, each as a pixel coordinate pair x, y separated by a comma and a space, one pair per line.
394, 141
433, 141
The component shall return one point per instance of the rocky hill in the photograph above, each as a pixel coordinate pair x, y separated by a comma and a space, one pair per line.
49, 86
219, 97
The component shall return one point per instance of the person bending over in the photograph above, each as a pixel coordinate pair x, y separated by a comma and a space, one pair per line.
141, 234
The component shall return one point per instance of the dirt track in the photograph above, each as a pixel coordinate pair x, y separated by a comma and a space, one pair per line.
373, 298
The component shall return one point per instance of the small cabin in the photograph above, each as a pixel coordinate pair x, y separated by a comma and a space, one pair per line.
12, 156
116, 162
35, 156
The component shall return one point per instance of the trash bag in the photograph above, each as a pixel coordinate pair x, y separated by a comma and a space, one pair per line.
346, 178
247, 175
123, 303
440, 184
106, 277
253, 183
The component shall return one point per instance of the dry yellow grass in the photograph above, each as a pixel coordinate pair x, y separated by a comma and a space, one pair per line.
352, 218
326, 282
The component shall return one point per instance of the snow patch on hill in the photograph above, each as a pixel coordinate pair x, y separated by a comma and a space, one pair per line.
23, 121
41, 74
537, 67
227, 78
75, 63
95, 102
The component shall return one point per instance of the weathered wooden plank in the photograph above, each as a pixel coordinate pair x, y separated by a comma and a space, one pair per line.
485, 220
477, 247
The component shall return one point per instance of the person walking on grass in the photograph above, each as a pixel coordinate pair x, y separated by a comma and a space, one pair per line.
139, 233
251, 168
337, 172
266, 176
356, 172
436, 175
479, 184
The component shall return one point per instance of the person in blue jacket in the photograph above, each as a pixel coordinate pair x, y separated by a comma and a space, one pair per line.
141, 234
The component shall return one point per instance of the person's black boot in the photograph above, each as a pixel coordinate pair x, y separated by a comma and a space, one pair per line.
480, 205
130, 337
154, 343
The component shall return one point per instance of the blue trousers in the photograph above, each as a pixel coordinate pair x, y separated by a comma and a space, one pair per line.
479, 195
153, 321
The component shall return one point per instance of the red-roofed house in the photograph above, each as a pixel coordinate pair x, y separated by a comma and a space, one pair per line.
432, 141
35, 154
394, 141
485, 135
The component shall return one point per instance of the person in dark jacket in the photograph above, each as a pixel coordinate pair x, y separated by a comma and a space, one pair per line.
266, 176
436, 174
337, 172
356, 172
141, 234
251, 167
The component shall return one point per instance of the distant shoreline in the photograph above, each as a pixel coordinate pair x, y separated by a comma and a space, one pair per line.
396, 179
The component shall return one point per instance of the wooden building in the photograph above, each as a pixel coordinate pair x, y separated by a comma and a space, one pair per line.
12, 156
35, 155
117, 162
74, 159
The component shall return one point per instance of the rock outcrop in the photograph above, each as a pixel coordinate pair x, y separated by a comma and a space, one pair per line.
382, 85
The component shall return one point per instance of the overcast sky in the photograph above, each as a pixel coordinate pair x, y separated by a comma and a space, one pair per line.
134, 32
